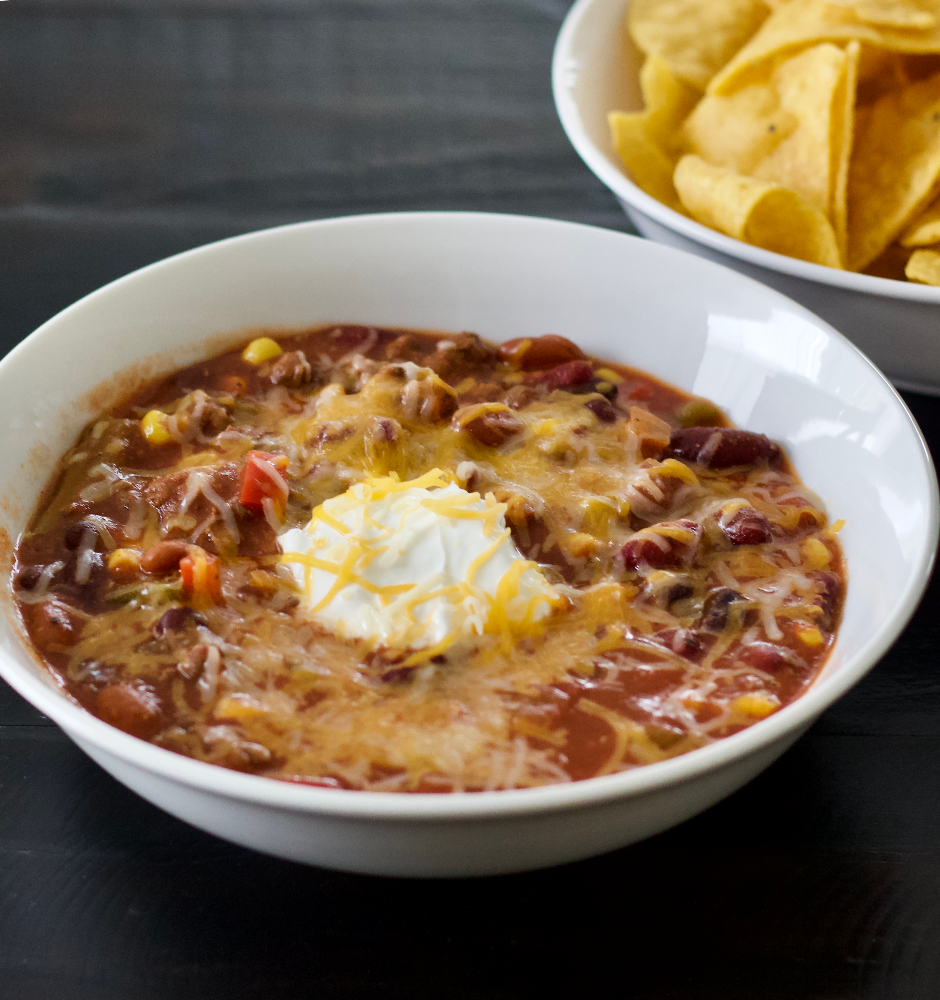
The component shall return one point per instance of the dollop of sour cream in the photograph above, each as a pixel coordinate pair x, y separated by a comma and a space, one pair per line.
415, 565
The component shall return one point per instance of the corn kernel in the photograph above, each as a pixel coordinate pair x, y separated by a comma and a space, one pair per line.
731, 507
238, 707
609, 375
677, 471
153, 427
261, 350
809, 635
758, 705
123, 562
597, 515
816, 553
834, 529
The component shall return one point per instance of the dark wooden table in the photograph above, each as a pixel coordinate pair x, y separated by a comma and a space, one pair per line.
130, 130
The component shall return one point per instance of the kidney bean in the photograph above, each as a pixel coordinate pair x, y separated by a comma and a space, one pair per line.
747, 526
828, 596
135, 708
769, 657
570, 376
642, 550
722, 447
715, 610
492, 428
602, 410
533, 354
163, 557
175, 620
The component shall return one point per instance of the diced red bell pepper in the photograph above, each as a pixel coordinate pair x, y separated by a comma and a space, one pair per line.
264, 478
202, 582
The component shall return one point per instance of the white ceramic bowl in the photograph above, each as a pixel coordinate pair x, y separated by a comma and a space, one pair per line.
596, 70
772, 365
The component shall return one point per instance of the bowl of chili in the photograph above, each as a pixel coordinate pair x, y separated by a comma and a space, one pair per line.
769, 366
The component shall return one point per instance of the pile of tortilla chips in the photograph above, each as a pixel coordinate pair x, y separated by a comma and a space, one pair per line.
807, 127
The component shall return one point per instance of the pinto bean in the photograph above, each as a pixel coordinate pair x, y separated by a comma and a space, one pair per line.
602, 410
723, 447
163, 557
747, 526
491, 427
716, 609
52, 623
292, 370
770, 658
533, 354
663, 552
569, 376
135, 708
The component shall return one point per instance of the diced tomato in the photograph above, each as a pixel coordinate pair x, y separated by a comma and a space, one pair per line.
202, 583
264, 478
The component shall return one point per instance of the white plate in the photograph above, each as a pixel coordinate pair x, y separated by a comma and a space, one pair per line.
772, 365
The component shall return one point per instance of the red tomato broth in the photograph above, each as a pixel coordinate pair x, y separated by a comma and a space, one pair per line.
646, 662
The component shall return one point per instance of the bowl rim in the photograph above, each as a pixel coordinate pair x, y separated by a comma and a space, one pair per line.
564, 63
86, 728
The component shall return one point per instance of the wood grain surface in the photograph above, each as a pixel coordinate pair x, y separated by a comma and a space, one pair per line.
131, 130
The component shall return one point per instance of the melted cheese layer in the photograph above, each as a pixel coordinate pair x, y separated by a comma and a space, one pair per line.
415, 565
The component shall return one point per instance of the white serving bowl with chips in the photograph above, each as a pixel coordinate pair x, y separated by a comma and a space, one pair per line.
773, 366
595, 71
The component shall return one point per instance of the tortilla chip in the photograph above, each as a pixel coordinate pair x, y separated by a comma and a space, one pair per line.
801, 23
759, 212
694, 37
890, 263
842, 134
791, 125
924, 267
895, 165
646, 140
890, 13
667, 100
925, 229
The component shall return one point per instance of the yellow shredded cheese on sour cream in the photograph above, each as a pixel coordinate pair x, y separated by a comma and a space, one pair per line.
415, 565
